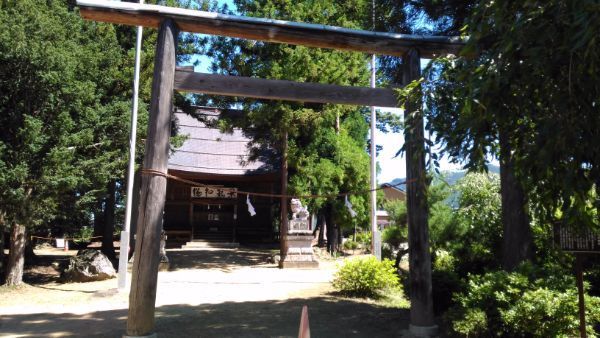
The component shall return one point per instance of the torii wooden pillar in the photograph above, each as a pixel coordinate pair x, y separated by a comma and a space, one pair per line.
421, 301
142, 297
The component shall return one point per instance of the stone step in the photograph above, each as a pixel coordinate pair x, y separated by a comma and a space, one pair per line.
198, 243
224, 238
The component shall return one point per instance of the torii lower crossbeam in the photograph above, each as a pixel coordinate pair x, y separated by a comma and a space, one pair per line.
283, 90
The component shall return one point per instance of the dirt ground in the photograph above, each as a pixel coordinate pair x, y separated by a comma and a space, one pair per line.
205, 293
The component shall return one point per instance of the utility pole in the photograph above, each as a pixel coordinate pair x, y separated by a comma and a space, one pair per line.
125, 234
373, 156
373, 167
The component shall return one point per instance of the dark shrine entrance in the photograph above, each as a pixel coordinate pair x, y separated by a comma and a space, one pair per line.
213, 221
153, 194
220, 219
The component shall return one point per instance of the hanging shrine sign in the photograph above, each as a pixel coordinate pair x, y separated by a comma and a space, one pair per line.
572, 240
213, 192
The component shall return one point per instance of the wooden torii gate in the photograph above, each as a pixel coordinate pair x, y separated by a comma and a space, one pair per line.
170, 21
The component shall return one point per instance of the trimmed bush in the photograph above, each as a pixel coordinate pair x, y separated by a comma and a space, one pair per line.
364, 238
365, 277
350, 245
520, 304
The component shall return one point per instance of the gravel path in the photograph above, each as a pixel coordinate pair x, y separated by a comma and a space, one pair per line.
206, 293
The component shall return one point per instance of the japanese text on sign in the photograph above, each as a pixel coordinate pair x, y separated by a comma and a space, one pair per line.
213, 192
571, 240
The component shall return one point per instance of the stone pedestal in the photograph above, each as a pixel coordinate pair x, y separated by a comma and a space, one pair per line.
163, 264
299, 253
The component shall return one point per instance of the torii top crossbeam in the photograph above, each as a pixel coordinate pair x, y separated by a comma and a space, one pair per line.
269, 30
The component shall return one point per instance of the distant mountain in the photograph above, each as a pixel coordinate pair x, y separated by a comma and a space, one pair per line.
451, 176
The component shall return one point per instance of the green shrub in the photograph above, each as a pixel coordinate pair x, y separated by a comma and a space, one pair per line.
394, 235
444, 284
365, 277
350, 245
397, 212
83, 235
445, 281
522, 303
549, 313
364, 238
387, 251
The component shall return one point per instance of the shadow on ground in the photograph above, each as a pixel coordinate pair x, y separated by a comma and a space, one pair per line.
329, 317
219, 259
41, 269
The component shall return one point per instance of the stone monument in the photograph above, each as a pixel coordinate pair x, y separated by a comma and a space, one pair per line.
298, 251
163, 264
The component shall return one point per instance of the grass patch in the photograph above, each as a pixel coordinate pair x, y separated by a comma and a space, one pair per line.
393, 298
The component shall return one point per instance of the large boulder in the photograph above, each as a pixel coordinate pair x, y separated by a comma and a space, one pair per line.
88, 266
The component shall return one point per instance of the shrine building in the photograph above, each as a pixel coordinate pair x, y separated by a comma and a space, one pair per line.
221, 164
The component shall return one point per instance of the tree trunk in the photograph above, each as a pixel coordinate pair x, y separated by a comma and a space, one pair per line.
16, 256
1, 248
517, 237
30, 255
98, 219
340, 236
332, 237
283, 228
322, 226
108, 247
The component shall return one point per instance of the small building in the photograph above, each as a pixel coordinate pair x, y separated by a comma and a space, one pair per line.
390, 193
383, 219
220, 164
393, 192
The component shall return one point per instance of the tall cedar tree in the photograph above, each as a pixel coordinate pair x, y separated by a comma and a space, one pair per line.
531, 98
327, 143
448, 18
65, 102
55, 77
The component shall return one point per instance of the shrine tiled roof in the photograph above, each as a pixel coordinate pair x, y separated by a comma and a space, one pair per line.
207, 150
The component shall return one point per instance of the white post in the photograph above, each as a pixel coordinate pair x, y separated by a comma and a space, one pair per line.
373, 165
124, 250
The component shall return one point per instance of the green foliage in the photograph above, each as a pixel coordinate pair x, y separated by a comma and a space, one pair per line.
545, 313
527, 302
445, 284
83, 235
58, 107
396, 211
65, 95
465, 230
445, 281
532, 70
470, 232
364, 238
394, 235
351, 245
365, 277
